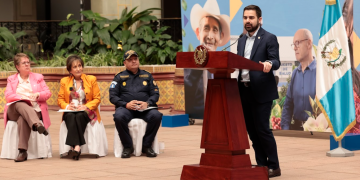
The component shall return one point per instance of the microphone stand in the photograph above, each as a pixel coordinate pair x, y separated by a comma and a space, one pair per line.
241, 35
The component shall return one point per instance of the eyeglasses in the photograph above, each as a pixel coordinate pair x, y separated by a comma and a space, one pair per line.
25, 63
297, 43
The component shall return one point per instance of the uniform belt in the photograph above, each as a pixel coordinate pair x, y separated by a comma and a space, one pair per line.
247, 84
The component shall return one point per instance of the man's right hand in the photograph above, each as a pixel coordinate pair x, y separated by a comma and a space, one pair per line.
132, 105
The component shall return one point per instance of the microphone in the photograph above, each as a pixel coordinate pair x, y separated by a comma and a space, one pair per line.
241, 35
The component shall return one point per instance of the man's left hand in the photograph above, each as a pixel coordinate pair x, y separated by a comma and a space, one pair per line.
142, 105
267, 66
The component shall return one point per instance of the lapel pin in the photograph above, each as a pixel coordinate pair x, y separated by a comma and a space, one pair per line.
259, 37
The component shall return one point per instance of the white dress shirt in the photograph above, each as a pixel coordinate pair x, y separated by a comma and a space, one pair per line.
247, 52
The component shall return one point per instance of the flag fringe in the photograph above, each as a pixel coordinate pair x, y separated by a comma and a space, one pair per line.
337, 138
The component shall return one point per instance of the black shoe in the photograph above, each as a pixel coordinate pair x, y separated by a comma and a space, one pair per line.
274, 172
149, 152
127, 152
76, 154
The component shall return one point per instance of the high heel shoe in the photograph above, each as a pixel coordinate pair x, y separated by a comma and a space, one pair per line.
76, 154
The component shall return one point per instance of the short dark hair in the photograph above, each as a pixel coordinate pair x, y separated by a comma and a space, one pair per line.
254, 7
71, 59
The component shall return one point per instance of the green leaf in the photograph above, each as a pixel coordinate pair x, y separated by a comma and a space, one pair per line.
126, 47
132, 40
161, 30
88, 38
87, 26
82, 45
308, 113
150, 50
147, 18
113, 44
147, 37
73, 21
60, 41
143, 47
72, 35
172, 56
312, 104
113, 26
168, 50
117, 34
88, 14
75, 41
64, 23
101, 49
95, 40
68, 16
19, 34
161, 42
171, 43
104, 35
75, 27
184, 4
166, 36
100, 23
149, 30
162, 58
183, 32
125, 36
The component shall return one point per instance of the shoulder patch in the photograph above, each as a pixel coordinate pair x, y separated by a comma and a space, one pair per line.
113, 84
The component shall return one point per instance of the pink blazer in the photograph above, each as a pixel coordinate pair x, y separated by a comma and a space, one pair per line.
38, 85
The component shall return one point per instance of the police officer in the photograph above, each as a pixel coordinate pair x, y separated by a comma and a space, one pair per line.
130, 91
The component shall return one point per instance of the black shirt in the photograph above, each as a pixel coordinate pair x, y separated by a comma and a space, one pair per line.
127, 86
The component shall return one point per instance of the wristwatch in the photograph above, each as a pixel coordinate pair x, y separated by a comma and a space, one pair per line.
269, 62
147, 104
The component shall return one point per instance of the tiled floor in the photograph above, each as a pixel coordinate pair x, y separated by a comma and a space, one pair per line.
300, 158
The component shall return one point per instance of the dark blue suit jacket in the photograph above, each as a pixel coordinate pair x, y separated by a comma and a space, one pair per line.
266, 47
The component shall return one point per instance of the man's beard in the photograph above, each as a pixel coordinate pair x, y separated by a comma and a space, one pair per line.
252, 28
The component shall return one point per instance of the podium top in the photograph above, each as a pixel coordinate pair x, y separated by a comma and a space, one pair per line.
217, 60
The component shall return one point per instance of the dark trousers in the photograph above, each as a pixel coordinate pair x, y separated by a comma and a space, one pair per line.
76, 123
123, 116
257, 124
298, 125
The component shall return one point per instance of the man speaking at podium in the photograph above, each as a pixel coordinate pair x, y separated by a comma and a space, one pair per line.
258, 89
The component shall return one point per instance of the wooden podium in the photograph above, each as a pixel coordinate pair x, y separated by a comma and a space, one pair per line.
224, 135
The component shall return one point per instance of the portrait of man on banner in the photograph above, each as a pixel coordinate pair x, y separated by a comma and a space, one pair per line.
212, 29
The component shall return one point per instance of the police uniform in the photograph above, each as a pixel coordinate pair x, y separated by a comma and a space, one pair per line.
141, 86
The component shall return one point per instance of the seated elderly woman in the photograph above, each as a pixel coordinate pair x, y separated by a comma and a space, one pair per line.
78, 92
28, 93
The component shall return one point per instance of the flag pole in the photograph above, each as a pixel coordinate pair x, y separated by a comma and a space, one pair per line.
340, 152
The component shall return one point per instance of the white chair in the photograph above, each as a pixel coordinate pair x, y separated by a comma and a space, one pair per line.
95, 138
39, 145
137, 128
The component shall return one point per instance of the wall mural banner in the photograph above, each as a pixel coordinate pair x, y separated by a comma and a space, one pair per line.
296, 109
204, 22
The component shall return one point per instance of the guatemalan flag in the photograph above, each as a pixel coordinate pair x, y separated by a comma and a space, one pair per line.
334, 90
